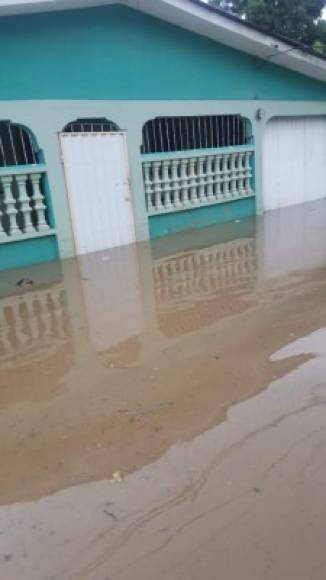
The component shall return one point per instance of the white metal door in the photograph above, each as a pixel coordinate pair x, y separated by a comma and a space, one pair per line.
294, 161
97, 178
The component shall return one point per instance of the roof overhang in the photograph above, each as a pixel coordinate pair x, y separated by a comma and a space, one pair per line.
196, 17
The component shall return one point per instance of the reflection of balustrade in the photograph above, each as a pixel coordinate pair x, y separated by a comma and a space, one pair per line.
32, 323
191, 179
22, 203
201, 274
198, 288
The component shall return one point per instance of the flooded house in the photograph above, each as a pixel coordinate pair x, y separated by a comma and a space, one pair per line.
127, 121
162, 404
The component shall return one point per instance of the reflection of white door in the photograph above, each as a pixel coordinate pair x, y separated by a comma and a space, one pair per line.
112, 297
294, 161
97, 178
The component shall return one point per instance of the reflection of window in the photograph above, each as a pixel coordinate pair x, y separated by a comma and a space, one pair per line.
101, 125
16, 145
165, 134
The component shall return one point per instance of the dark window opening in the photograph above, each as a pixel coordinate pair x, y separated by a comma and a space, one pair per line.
165, 134
16, 145
96, 125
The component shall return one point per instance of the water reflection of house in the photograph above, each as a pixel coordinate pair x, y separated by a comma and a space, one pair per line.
35, 342
287, 244
60, 340
200, 287
131, 294
199, 119
113, 302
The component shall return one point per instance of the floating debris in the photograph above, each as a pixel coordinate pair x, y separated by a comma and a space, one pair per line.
25, 283
111, 515
117, 477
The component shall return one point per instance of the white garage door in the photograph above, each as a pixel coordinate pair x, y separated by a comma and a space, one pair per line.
97, 177
294, 161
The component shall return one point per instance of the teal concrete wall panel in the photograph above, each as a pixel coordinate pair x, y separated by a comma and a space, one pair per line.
170, 223
28, 252
113, 52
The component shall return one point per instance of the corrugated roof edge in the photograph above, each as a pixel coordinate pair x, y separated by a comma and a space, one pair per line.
306, 49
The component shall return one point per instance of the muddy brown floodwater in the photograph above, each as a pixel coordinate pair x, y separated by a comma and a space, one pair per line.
192, 373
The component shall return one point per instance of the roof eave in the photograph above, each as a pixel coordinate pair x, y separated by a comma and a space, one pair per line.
196, 17
219, 27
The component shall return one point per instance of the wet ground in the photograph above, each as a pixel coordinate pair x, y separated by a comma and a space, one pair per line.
163, 409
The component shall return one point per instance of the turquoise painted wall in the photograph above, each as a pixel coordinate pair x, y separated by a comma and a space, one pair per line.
170, 223
26, 252
116, 53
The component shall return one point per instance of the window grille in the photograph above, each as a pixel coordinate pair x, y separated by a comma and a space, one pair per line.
16, 145
101, 125
165, 134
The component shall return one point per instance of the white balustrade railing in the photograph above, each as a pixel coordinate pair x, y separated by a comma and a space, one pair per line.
190, 179
22, 204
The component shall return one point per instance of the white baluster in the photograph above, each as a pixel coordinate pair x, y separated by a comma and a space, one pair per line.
148, 186
166, 185
25, 206
184, 182
193, 184
175, 184
219, 177
10, 203
238, 173
233, 181
225, 176
39, 204
248, 173
157, 185
210, 177
241, 174
201, 179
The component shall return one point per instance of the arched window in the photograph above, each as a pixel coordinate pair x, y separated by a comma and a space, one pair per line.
24, 193
165, 134
91, 125
17, 146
